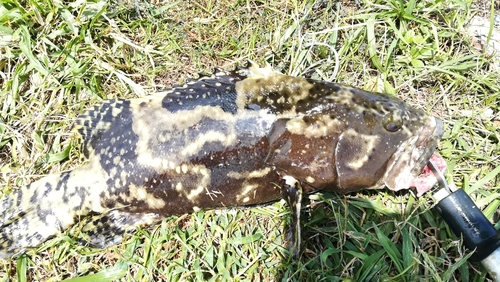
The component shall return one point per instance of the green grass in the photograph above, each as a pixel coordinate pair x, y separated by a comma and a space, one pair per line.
58, 58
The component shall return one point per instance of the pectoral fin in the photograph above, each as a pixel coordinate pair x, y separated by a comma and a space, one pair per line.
292, 193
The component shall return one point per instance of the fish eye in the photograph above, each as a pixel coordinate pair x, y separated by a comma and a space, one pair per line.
392, 127
392, 123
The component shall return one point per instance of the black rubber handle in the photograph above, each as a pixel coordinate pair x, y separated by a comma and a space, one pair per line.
466, 220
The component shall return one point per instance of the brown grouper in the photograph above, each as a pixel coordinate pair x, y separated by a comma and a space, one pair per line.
238, 138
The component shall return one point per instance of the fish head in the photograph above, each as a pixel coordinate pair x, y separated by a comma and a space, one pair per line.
386, 143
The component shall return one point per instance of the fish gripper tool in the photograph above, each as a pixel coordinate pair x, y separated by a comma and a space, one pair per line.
466, 220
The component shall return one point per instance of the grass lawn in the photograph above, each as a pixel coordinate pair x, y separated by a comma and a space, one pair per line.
57, 58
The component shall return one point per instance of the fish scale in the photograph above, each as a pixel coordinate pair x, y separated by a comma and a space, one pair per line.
237, 138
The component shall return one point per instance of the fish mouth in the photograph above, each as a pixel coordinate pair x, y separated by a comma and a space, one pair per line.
408, 167
427, 179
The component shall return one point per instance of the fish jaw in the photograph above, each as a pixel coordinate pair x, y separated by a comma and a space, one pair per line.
408, 166
426, 180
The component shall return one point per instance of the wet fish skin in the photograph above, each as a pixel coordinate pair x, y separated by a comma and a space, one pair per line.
227, 139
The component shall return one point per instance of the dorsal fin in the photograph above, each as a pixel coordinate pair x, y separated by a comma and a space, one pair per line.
97, 119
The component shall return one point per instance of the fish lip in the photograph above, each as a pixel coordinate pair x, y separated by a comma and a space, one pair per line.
428, 145
412, 157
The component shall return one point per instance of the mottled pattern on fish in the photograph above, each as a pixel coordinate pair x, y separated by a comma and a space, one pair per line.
227, 139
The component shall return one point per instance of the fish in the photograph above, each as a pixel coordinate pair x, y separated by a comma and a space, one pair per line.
244, 137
